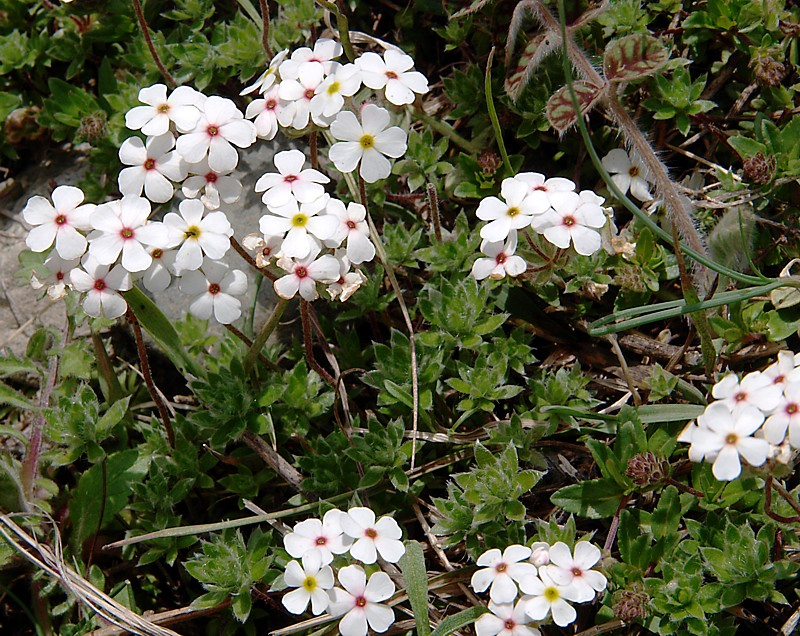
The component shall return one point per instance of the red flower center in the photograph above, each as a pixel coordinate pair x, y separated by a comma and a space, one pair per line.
568, 221
290, 178
213, 131
509, 624
540, 188
501, 567
126, 233
99, 284
740, 397
59, 275
371, 533
157, 253
266, 251
576, 571
360, 601
301, 272
149, 164
211, 177
309, 93
501, 258
778, 379
270, 104
213, 289
791, 409
351, 225
391, 74
321, 540
61, 219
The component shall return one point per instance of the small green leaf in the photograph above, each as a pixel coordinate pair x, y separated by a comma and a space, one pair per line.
412, 563
456, 621
112, 417
595, 498
14, 398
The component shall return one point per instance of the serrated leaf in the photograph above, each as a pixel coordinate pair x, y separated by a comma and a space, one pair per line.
412, 563
560, 112
634, 56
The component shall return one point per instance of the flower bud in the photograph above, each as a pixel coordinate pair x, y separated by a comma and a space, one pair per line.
645, 469
630, 605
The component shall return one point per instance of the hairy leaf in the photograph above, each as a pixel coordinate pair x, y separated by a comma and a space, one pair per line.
634, 56
560, 111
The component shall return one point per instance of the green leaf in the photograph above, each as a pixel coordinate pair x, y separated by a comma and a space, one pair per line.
560, 112
667, 516
162, 331
656, 413
14, 398
634, 56
595, 498
456, 621
412, 563
747, 147
112, 417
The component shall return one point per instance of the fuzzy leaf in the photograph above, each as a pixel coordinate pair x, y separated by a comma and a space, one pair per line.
476, 5
412, 563
594, 498
634, 56
559, 110
537, 48
457, 621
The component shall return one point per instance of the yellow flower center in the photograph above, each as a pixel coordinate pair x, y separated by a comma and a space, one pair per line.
551, 594
731, 438
192, 232
299, 220
367, 142
310, 583
334, 88
514, 211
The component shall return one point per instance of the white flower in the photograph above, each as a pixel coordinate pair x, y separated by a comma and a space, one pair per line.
153, 167
755, 389
573, 218
565, 568
264, 250
329, 95
216, 187
266, 112
266, 80
324, 538
220, 125
291, 181
540, 553
628, 173
371, 537
298, 94
55, 275
304, 226
367, 143
549, 597
303, 59
60, 223
352, 227
505, 619
215, 286
348, 282
197, 236
501, 259
540, 187
101, 287
182, 107
311, 580
722, 436
158, 276
360, 600
304, 275
501, 571
122, 227
785, 417
783, 371
514, 212
393, 74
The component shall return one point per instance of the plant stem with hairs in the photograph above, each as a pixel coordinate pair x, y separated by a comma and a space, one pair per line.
146, 33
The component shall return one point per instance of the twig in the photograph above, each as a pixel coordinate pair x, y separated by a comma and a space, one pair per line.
266, 331
265, 28
249, 343
239, 249
433, 203
307, 344
146, 33
144, 362
277, 463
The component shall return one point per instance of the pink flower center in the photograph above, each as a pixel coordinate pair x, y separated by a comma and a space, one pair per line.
371, 533
126, 233
321, 540
290, 178
501, 567
149, 164
211, 177
576, 571
741, 396
791, 409
99, 284
778, 379
301, 272
351, 225
568, 221
270, 104
509, 624
309, 93
213, 289
157, 253
61, 219
501, 258
212, 131
391, 74
360, 601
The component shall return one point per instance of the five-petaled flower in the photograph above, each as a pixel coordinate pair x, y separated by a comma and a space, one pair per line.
312, 581
359, 603
59, 221
503, 571
372, 537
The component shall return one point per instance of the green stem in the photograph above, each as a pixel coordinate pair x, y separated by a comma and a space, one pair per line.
343, 27
498, 133
261, 338
446, 130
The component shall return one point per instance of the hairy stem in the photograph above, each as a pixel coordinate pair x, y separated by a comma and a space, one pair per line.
265, 28
308, 345
342, 25
146, 33
261, 338
433, 203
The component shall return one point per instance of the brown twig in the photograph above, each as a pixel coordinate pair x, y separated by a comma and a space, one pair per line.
146, 33
249, 343
265, 28
239, 249
309, 348
433, 203
144, 362
771, 483
277, 463
612, 530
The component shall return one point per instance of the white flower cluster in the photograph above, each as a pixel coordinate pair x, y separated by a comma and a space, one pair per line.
548, 577
755, 417
549, 206
358, 601
191, 141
